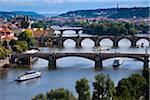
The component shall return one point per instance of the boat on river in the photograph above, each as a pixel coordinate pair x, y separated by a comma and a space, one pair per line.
28, 75
117, 62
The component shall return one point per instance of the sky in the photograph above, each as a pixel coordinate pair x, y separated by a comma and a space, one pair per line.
62, 6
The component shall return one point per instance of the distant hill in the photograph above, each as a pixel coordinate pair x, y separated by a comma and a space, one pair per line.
50, 15
136, 12
32, 15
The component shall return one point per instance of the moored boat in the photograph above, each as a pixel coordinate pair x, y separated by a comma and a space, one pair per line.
117, 62
142, 45
29, 75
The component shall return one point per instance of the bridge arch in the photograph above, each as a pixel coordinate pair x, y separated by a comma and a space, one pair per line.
106, 42
91, 42
124, 42
145, 42
75, 61
86, 57
69, 43
71, 30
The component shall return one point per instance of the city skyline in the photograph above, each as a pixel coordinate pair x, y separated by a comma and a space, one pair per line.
62, 6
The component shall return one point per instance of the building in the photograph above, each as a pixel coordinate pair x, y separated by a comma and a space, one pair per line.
6, 34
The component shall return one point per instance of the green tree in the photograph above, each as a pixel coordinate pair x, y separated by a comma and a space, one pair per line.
60, 94
103, 87
132, 88
125, 90
12, 43
40, 97
24, 24
83, 89
145, 74
39, 24
139, 84
17, 48
5, 44
3, 52
27, 36
23, 45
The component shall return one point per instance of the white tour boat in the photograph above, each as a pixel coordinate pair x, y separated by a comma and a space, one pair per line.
28, 75
117, 62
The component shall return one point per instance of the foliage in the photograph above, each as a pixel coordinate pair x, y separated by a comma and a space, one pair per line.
24, 24
103, 87
110, 28
39, 97
145, 74
39, 24
23, 45
17, 48
56, 94
133, 87
12, 43
27, 36
3, 52
144, 28
125, 90
83, 89
60, 94
5, 44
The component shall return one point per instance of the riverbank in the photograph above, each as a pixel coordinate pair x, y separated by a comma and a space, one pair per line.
4, 62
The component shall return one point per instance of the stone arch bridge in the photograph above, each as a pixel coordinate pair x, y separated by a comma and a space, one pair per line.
96, 39
97, 57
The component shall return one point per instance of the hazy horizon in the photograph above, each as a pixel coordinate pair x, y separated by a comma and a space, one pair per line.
63, 6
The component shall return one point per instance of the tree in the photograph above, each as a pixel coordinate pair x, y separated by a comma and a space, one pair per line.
24, 24
3, 52
103, 87
23, 45
27, 36
145, 74
60, 94
125, 90
132, 88
139, 84
83, 89
39, 97
39, 24
17, 48
12, 43
5, 44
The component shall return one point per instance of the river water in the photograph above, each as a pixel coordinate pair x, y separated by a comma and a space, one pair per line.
69, 69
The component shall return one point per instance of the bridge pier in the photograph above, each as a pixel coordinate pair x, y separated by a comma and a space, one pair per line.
78, 43
97, 43
133, 43
60, 43
146, 62
115, 43
77, 31
98, 63
51, 63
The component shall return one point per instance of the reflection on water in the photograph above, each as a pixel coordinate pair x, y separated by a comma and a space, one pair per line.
69, 69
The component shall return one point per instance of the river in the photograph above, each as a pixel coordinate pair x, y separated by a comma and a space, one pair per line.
69, 70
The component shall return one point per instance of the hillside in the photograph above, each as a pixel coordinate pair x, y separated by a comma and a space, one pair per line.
137, 12
32, 15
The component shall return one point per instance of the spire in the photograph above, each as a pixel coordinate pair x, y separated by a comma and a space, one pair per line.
117, 6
